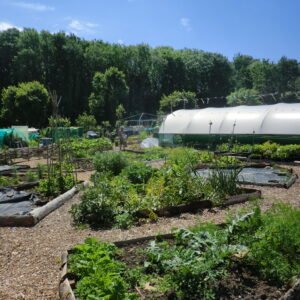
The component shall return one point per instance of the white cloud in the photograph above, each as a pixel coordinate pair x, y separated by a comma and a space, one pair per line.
77, 26
6, 25
186, 23
34, 6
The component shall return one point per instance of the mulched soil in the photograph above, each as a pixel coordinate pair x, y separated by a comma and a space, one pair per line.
30, 257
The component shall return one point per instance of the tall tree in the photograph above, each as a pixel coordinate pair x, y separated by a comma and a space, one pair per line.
242, 75
8, 49
109, 90
25, 104
27, 63
264, 76
244, 97
178, 100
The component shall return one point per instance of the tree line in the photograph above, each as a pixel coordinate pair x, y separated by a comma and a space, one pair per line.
101, 78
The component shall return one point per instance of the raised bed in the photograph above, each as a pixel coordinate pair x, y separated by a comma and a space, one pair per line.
194, 206
37, 214
67, 281
257, 173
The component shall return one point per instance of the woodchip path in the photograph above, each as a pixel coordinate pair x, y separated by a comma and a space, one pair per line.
30, 257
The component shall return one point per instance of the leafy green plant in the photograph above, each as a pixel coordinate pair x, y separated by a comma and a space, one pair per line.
112, 162
275, 249
138, 172
59, 122
58, 181
95, 208
100, 275
31, 176
85, 148
223, 182
195, 263
267, 150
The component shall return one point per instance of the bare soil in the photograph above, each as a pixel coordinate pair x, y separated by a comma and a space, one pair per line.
30, 257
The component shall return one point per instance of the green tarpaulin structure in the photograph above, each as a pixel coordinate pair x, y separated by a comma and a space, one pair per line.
64, 132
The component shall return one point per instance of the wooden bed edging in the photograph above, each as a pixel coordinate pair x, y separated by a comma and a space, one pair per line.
65, 289
200, 204
66, 292
293, 293
242, 198
39, 213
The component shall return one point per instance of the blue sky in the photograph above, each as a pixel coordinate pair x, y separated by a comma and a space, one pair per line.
261, 28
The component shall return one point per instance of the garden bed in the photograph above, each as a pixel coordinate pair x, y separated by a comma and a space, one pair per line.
205, 262
195, 206
260, 174
26, 213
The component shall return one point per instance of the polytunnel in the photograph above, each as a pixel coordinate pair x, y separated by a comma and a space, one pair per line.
246, 124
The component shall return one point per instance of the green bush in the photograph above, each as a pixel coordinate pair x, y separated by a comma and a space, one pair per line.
138, 172
94, 208
112, 162
275, 251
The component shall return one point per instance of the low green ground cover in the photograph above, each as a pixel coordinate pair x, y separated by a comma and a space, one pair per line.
197, 262
122, 187
267, 150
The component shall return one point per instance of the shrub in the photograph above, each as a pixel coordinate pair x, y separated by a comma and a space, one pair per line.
112, 162
94, 208
138, 172
275, 251
87, 122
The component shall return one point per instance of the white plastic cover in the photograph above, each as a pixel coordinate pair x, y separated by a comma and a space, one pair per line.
281, 118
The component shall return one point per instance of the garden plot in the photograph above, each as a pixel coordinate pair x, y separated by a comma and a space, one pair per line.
28, 194
268, 176
19, 208
127, 192
242, 259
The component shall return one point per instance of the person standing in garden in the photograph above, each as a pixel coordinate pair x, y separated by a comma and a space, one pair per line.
122, 138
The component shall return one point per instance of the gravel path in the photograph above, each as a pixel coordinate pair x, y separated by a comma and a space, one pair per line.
30, 257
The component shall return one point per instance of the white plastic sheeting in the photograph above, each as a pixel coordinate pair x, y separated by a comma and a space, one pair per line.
280, 119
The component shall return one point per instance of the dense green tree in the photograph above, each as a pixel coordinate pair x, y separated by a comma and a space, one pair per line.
68, 64
8, 50
287, 74
264, 76
25, 104
242, 75
178, 100
109, 90
27, 63
87, 122
244, 97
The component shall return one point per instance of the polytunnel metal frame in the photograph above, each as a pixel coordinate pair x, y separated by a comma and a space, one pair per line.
246, 124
